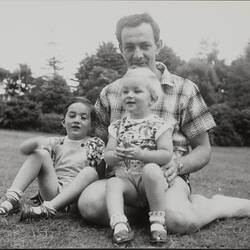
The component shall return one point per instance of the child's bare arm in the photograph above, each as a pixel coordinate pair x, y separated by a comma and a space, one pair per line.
161, 156
28, 146
111, 156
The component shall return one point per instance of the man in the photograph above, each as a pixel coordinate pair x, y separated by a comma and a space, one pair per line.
139, 41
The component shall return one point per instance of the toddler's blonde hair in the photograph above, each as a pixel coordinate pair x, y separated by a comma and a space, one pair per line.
146, 76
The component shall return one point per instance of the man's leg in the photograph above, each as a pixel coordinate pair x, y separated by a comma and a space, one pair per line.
92, 205
187, 213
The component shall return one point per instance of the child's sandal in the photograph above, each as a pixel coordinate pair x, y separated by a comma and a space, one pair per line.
4, 207
28, 213
158, 236
123, 235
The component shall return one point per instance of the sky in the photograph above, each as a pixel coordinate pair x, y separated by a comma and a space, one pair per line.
33, 31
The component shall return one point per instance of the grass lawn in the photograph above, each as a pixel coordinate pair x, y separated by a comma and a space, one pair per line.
228, 173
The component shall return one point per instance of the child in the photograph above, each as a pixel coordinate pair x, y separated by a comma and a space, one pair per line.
138, 145
63, 165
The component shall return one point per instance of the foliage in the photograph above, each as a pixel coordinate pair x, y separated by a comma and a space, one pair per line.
225, 89
50, 93
237, 94
225, 133
169, 58
54, 64
96, 71
242, 125
17, 83
200, 73
20, 114
51, 122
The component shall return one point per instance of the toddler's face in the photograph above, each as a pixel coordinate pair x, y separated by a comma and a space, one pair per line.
77, 121
136, 97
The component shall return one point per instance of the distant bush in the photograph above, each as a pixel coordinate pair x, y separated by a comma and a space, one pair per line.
242, 125
19, 114
225, 133
51, 123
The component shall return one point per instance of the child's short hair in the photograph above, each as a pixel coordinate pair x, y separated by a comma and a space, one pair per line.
88, 103
148, 77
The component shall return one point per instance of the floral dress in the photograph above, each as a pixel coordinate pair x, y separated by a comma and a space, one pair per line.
140, 132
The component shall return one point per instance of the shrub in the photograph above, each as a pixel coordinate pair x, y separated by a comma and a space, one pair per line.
19, 114
242, 125
51, 123
225, 133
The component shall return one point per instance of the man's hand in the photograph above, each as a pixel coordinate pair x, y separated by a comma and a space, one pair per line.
171, 171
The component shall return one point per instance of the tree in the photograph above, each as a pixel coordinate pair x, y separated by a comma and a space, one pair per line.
51, 94
4, 74
54, 63
169, 58
19, 82
197, 70
237, 89
98, 70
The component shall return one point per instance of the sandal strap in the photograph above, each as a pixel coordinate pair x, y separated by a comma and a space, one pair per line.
29, 212
157, 217
13, 202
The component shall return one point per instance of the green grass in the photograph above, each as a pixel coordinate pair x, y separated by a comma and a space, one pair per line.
228, 173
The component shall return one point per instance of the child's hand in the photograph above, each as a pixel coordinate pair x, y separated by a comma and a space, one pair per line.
120, 152
132, 152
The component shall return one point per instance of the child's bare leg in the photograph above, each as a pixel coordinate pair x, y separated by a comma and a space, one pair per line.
38, 164
155, 186
116, 189
72, 191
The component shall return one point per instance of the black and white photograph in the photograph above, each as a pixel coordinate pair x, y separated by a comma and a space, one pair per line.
124, 124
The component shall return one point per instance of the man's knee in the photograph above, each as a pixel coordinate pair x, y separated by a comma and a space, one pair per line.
91, 203
179, 222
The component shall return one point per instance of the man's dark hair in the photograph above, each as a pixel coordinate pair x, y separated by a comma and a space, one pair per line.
135, 20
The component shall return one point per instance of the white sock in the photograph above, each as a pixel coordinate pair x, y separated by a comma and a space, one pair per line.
157, 220
14, 193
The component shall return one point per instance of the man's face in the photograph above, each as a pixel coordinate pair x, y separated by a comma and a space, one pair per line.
138, 46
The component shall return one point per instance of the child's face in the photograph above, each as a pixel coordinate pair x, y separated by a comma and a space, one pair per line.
136, 97
77, 121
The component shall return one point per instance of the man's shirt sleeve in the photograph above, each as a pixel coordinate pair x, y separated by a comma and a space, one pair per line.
195, 115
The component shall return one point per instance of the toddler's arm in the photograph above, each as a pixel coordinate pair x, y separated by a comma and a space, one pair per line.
28, 146
111, 156
162, 155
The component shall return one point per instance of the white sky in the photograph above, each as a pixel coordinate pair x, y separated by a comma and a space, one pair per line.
33, 31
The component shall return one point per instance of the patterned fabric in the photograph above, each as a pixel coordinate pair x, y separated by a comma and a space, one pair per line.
140, 132
181, 101
95, 147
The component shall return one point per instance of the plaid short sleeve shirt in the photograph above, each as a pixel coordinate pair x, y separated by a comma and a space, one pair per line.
181, 101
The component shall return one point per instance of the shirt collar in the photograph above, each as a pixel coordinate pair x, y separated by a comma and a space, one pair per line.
166, 77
